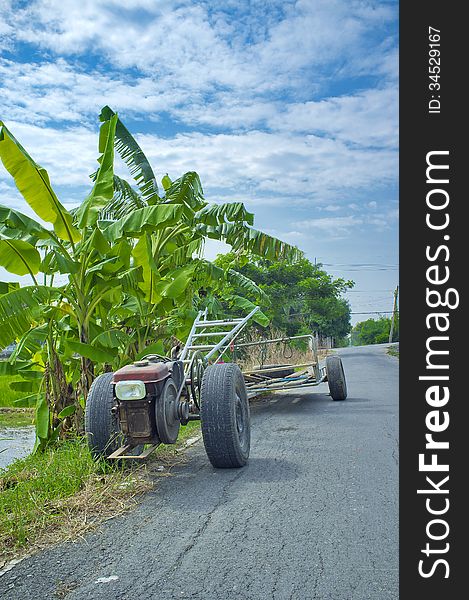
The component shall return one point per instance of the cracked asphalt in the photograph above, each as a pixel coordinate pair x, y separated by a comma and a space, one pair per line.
314, 515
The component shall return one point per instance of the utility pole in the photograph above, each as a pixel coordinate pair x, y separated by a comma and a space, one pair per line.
394, 310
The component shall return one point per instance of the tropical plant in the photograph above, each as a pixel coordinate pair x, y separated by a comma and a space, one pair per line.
303, 297
133, 266
375, 331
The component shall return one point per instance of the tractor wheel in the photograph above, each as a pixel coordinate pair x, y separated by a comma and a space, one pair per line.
101, 425
336, 378
224, 415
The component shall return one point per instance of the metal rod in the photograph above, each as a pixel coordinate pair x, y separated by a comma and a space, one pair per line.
120, 452
232, 333
286, 339
268, 381
189, 338
279, 386
199, 347
210, 333
221, 322
267, 369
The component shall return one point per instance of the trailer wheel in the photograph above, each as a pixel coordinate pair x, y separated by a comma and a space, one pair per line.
336, 378
224, 415
101, 424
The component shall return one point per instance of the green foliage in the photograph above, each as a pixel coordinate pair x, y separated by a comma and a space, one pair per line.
303, 297
374, 331
134, 158
34, 184
18, 257
8, 395
20, 309
103, 189
134, 275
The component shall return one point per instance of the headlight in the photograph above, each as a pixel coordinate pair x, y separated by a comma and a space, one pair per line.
130, 390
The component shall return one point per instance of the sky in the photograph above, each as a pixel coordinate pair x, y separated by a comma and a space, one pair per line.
290, 106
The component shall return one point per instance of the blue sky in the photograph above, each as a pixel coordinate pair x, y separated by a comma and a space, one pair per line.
288, 106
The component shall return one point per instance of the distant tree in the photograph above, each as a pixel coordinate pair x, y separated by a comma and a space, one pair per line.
303, 297
374, 331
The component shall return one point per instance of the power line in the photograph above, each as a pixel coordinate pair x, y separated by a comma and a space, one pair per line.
361, 265
373, 312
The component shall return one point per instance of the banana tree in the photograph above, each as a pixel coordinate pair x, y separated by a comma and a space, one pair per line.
55, 327
133, 266
171, 258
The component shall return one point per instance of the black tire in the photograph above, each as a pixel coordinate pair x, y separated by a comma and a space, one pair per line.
102, 427
336, 378
275, 371
224, 415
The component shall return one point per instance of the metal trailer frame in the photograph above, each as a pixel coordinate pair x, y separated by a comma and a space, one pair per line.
195, 357
257, 380
308, 375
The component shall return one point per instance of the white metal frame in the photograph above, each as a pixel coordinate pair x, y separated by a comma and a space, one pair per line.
204, 328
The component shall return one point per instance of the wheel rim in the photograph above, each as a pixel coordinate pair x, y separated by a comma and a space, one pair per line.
241, 423
167, 419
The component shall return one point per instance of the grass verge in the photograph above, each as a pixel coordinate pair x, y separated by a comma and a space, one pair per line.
16, 417
393, 350
63, 493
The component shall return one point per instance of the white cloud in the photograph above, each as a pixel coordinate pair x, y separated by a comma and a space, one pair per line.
259, 167
293, 102
272, 163
366, 119
330, 224
195, 46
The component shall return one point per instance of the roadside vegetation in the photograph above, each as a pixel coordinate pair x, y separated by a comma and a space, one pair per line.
132, 258
7, 395
374, 331
61, 493
132, 276
301, 297
10, 415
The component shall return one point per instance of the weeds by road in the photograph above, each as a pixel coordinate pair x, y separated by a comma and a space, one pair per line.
394, 350
59, 495
16, 417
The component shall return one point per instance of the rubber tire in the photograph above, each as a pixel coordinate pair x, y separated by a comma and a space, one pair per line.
101, 425
336, 378
276, 371
222, 385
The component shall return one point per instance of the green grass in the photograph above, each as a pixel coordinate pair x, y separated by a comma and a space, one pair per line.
16, 417
7, 396
394, 351
62, 493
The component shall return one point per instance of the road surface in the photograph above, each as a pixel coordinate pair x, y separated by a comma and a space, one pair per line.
314, 516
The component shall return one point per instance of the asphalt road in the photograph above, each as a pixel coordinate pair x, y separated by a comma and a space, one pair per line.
313, 516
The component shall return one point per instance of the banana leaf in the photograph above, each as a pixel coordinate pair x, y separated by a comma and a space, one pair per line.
34, 184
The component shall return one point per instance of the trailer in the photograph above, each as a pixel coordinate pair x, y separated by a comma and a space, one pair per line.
130, 412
